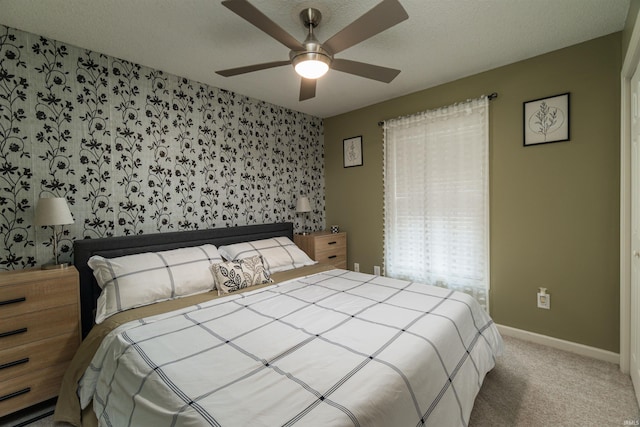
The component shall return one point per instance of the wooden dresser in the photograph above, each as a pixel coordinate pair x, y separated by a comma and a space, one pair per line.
325, 247
39, 334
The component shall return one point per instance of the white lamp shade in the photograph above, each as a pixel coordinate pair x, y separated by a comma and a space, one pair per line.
53, 211
303, 205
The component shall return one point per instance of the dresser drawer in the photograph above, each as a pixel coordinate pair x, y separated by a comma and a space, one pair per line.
338, 261
36, 290
39, 334
23, 359
331, 242
34, 387
324, 247
328, 245
32, 327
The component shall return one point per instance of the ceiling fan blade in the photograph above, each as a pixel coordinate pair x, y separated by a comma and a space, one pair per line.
250, 68
383, 16
369, 71
247, 11
307, 89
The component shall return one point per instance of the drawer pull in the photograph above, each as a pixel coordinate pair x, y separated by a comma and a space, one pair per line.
15, 394
14, 363
13, 301
333, 256
331, 243
10, 333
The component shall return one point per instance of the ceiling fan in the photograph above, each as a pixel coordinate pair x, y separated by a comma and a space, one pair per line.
312, 59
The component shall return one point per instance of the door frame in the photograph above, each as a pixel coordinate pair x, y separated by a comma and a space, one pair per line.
629, 66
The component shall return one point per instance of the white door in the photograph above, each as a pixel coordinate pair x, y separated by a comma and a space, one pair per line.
635, 233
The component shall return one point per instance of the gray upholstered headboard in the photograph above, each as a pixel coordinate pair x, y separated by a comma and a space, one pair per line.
126, 245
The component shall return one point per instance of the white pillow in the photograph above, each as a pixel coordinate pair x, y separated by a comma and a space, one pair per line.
278, 253
141, 279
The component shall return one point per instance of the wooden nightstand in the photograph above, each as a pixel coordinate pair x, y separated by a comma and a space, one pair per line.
325, 247
39, 334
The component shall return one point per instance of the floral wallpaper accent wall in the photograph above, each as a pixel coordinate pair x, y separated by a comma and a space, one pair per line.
135, 150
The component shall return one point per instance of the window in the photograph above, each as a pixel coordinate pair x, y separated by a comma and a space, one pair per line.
436, 184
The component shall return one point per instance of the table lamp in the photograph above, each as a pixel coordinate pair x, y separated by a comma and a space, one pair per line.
303, 206
53, 211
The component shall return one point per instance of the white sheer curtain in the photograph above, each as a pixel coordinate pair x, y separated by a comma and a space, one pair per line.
436, 185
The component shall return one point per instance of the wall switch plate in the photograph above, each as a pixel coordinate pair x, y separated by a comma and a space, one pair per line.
376, 270
356, 267
544, 300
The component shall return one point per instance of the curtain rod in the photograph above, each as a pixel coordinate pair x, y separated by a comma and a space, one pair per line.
491, 97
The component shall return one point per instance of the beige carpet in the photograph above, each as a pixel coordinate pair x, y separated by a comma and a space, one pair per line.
537, 386
534, 385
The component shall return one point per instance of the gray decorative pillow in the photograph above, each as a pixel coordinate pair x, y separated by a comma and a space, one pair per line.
231, 276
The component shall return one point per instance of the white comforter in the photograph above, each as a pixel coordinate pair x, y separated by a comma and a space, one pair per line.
332, 349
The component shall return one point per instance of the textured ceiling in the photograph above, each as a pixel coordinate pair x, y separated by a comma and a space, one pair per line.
443, 40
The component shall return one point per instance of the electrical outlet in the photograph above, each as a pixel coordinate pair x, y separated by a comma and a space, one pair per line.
544, 299
356, 267
376, 270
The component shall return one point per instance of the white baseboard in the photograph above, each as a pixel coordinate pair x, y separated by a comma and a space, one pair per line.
584, 350
635, 377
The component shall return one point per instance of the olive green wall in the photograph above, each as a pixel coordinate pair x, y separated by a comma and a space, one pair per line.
554, 207
632, 16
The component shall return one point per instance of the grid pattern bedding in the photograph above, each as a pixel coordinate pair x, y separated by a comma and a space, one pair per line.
335, 348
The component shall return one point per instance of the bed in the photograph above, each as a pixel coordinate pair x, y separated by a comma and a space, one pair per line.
317, 347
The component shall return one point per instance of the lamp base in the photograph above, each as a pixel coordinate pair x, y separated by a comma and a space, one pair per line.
55, 266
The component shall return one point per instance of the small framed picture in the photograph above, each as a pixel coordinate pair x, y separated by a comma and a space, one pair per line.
546, 120
352, 153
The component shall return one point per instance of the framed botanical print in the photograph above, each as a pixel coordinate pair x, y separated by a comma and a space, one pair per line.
546, 120
352, 151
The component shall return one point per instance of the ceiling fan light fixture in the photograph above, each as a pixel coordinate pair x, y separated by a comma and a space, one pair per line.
312, 59
311, 65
